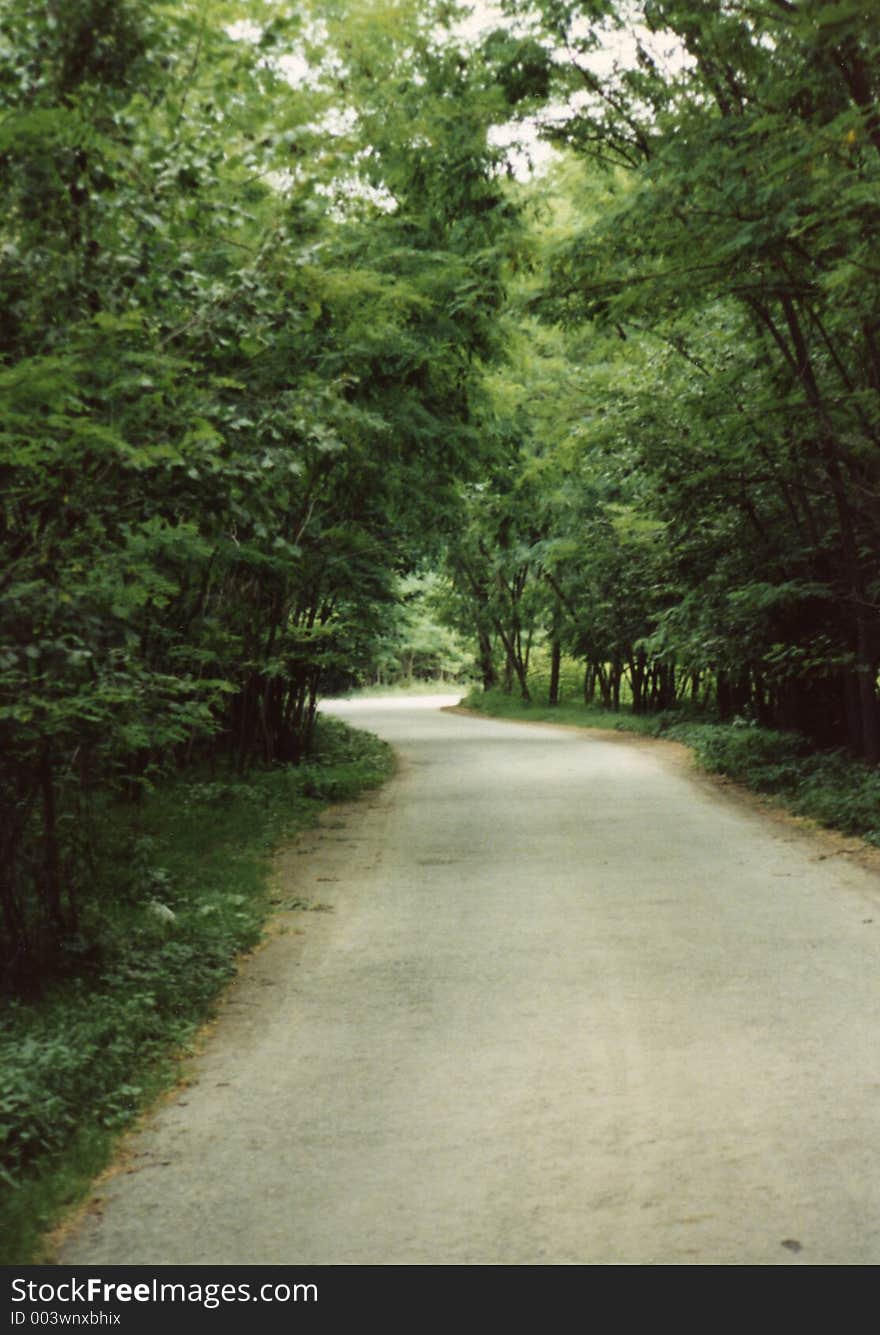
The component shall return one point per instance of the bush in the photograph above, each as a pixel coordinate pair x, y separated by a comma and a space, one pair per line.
767, 761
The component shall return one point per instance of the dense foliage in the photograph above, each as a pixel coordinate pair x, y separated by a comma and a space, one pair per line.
282, 334
692, 503
245, 299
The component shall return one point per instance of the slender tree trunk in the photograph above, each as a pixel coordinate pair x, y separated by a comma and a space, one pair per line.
866, 670
555, 665
487, 662
523, 678
637, 672
507, 681
589, 683
616, 675
722, 693
51, 881
604, 685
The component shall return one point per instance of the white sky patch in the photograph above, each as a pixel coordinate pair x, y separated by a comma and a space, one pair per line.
295, 68
617, 49
348, 188
526, 152
620, 47
244, 31
482, 20
337, 122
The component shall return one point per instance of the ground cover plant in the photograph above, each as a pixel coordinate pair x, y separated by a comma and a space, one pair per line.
180, 892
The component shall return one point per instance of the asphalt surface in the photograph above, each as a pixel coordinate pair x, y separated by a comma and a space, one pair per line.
556, 1000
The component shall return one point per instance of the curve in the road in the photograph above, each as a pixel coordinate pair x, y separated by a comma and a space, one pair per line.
570, 1006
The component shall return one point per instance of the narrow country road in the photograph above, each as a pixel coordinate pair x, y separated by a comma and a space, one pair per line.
571, 1005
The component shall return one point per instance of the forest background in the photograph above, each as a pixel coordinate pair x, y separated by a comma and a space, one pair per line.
307, 381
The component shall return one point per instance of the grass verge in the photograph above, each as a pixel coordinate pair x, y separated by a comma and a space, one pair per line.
829, 787
181, 893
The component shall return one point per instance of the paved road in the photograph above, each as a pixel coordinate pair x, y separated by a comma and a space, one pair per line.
572, 1005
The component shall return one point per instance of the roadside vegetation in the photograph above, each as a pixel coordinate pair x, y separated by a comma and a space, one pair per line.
245, 322
180, 890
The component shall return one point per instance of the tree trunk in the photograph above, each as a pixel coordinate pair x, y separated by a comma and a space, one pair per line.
487, 665
555, 665
616, 674
51, 881
866, 669
637, 676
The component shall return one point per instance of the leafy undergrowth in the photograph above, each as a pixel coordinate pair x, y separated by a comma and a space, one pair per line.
158, 943
829, 787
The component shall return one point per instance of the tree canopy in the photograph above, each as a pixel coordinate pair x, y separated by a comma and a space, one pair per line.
708, 251
284, 336
247, 293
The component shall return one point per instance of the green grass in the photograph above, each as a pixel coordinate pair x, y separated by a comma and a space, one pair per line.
182, 892
830, 787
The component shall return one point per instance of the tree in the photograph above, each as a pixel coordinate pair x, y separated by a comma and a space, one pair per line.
240, 372
740, 173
